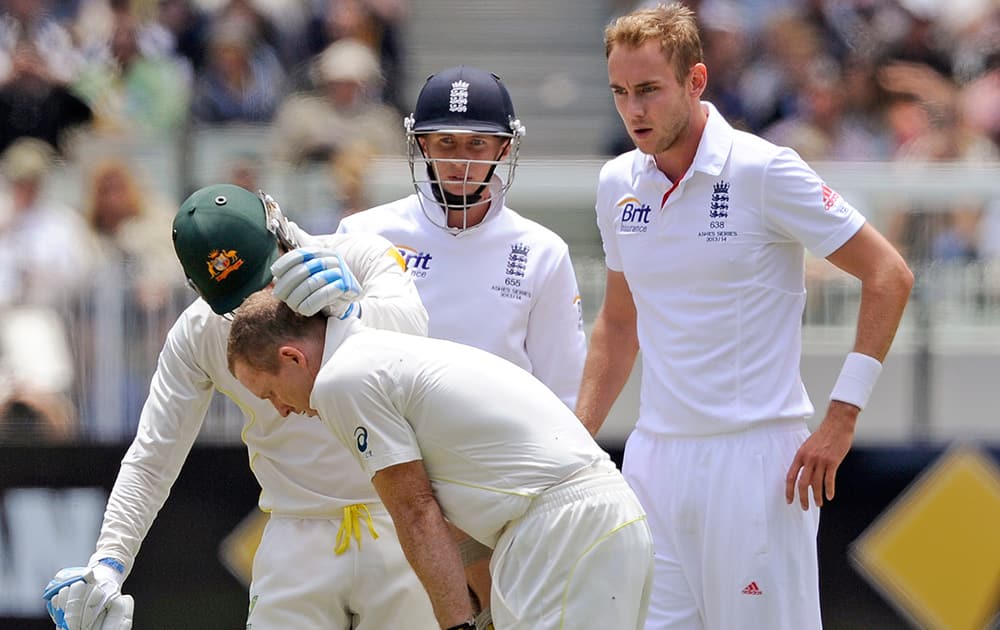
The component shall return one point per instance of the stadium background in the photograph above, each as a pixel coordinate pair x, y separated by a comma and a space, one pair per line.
939, 386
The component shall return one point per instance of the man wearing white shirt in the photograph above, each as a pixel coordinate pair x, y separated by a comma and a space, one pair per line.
488, 277
704, 231
447, 431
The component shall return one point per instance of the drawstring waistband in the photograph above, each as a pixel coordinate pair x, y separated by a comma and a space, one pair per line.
351, 526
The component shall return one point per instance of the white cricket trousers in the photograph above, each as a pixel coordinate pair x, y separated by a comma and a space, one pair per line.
730, 554
299, 582
580, 557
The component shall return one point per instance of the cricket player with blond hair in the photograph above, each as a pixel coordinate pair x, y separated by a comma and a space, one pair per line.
705, 229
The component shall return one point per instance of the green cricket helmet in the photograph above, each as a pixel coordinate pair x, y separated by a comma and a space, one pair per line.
226, 238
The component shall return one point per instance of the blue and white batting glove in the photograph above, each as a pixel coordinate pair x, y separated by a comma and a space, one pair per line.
89, 598
310, 279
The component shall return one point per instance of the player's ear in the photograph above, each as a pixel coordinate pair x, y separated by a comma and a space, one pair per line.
291, 354
698, 79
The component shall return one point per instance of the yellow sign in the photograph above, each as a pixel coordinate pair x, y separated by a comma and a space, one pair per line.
935, 553
238, 548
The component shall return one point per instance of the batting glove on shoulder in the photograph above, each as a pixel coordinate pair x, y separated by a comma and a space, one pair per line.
89, 598
310, 279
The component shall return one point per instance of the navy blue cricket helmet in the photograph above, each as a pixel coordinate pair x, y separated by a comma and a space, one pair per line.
462, 100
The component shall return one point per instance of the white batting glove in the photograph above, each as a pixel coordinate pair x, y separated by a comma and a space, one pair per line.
89, 598
309, 279
119, 614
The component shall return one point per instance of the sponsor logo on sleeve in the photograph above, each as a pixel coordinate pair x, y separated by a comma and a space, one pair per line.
830, 198
834, 203
361, 439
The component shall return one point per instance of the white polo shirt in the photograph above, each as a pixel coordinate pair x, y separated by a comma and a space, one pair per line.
506, 286
491, 436
716, 268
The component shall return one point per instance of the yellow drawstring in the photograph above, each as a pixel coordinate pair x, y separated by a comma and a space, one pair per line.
351, 526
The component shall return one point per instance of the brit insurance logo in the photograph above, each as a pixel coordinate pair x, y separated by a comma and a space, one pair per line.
418, 263
718, 212
634, 216
514, 273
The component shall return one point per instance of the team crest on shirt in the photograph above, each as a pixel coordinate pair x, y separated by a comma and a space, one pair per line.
719, 206
718, 213
634, 215
514, 272
517, 261
418, 263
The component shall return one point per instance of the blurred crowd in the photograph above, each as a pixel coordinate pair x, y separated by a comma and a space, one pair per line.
76, 75
856, 80
323, 73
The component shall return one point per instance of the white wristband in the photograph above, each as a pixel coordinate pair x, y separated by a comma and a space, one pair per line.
857, 379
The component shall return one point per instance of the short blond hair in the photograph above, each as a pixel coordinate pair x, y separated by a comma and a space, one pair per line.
673, 25
261, 325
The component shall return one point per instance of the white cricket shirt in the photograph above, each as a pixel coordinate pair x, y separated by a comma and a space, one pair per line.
301, 470
716, 268
506, 286
491, 436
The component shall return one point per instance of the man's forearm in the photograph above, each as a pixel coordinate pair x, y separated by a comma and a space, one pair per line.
433, 554
883, 299
610, 359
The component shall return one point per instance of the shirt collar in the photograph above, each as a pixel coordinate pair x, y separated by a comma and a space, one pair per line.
713, 148
337, 330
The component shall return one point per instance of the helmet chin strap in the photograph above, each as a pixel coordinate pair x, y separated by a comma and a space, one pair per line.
452, 201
